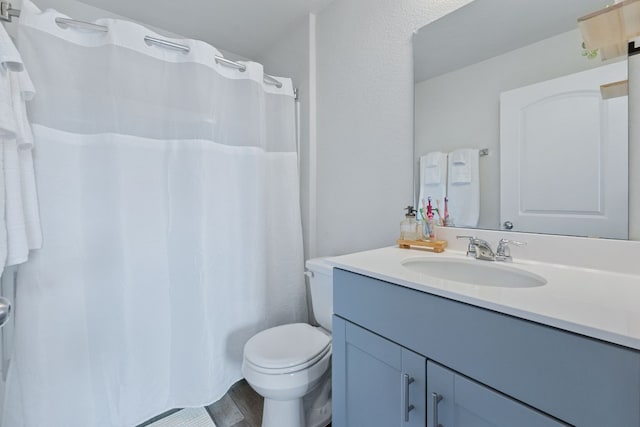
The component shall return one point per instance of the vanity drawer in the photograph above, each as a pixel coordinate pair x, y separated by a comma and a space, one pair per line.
577, 379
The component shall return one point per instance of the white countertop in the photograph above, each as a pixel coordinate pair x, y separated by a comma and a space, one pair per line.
599, 304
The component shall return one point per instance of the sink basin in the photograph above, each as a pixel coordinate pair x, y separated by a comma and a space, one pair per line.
474, 272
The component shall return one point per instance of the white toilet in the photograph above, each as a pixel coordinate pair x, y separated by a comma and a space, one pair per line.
290, 365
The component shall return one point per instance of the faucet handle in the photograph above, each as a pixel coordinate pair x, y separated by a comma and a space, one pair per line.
503, 252
471, 249
505, 242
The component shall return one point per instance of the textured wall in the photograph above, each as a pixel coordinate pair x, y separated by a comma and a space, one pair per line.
365, 119
289, 57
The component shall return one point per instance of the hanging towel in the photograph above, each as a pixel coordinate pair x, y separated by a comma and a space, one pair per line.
461, 167
9, 56
463, 190
15, 88
8, 124
24, 136
17, 246
433, 177
21, 203
431, 166
20, 221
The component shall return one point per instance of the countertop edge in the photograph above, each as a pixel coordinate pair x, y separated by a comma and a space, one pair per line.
577, 328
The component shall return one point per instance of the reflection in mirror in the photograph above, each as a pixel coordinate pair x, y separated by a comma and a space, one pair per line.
545, 163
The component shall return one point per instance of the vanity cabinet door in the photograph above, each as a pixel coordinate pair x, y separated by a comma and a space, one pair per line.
375, 381
456, 401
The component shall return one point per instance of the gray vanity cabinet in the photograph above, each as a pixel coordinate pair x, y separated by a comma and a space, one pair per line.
456, 401
382, 383
492, 369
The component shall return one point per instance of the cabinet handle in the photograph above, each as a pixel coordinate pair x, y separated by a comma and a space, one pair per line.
406, 379
5, 311
435, 398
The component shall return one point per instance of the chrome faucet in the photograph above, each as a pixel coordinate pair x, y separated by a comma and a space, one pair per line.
503, 252
479, 249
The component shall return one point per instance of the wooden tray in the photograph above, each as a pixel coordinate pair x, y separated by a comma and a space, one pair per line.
433, 245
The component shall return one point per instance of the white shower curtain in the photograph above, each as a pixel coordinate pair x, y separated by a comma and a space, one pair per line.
169, 200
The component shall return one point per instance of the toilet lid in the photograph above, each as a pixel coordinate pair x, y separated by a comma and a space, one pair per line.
286, 346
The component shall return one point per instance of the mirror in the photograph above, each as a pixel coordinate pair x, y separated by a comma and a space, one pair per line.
465, 60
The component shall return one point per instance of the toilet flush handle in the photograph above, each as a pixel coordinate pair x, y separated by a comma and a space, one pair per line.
308, 273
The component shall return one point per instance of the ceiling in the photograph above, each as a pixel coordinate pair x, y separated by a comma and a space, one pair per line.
243, 27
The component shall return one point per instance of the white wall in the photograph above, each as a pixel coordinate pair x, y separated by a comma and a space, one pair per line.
461, 109
290, 57
365, 119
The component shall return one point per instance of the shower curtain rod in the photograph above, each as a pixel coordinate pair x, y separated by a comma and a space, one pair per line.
7, 13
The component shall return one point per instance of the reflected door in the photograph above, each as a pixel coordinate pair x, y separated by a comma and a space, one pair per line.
563, 156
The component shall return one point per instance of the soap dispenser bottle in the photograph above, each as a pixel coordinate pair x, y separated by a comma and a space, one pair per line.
409, 229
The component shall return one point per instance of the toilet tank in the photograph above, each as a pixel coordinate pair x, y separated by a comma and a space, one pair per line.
320, 276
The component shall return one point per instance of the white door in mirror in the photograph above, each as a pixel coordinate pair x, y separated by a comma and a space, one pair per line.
563, 156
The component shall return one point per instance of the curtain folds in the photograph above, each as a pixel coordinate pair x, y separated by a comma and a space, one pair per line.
169, 203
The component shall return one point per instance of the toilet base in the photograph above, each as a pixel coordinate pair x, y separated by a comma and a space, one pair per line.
283, 413
312, 410
317, 403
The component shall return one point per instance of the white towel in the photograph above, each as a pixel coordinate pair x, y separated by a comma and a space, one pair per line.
431, 166
463, 190
20, 222
14, 82
17, 242
18, 93
460, 166
433, 177
10, 59
8, 124
27, 89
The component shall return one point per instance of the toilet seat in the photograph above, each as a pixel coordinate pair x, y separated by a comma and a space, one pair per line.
286, 349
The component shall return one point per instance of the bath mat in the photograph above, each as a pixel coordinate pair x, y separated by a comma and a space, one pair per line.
189, 417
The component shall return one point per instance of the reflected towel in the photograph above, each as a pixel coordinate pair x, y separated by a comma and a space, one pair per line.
460, 166
463, 189
431, 167
433, 177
